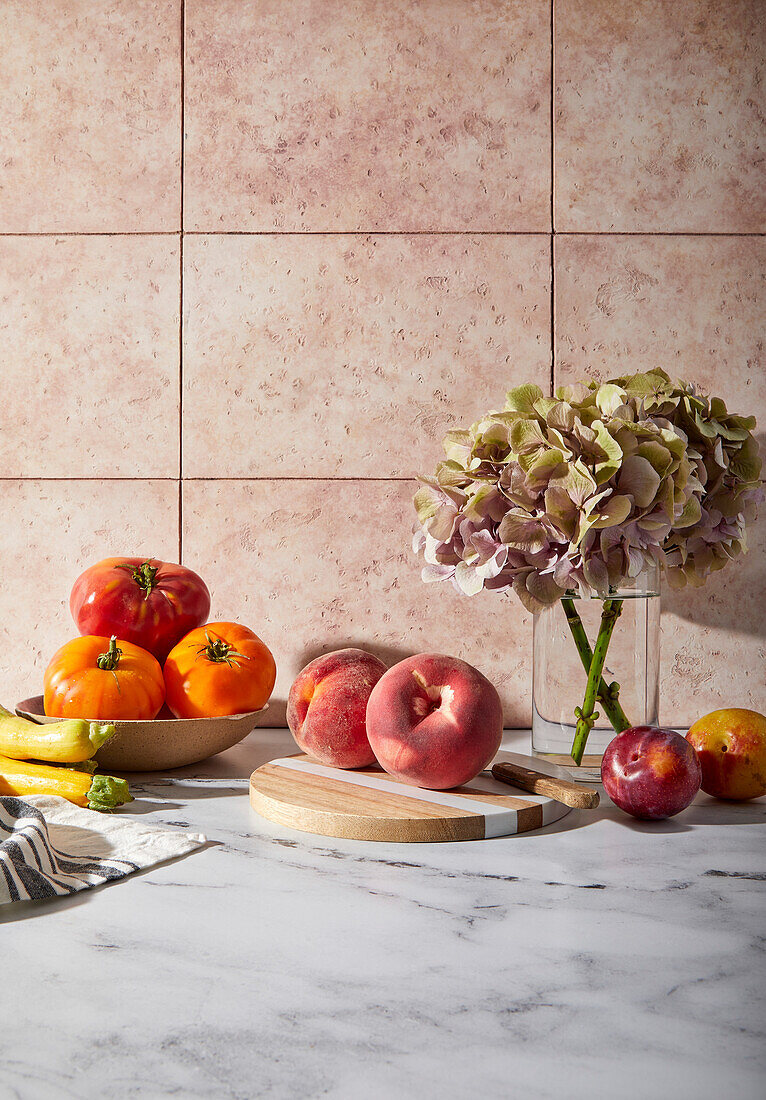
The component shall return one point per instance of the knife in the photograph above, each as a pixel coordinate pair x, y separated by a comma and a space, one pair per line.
571, 794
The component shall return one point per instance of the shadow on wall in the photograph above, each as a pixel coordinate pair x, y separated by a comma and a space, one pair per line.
737, 607
389, 655
733, 599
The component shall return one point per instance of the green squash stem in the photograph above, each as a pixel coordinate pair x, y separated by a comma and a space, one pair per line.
107, 792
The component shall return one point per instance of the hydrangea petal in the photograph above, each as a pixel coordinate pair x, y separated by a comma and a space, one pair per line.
468, 579
611, 450
609, 398
639, 479
522, 532
526, 435
457, 446
437, 511
522, 398
543, 588
613, 511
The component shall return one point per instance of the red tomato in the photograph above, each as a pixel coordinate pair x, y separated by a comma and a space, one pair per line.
150, 603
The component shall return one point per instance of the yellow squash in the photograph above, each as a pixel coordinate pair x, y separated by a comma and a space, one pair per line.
97, 792
67, 742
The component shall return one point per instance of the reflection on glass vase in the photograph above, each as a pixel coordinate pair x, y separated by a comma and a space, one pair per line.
564, 637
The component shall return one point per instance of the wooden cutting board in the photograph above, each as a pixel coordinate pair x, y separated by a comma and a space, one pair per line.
368, 804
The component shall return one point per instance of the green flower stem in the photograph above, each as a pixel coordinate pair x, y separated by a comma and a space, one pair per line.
586, 717
608, 694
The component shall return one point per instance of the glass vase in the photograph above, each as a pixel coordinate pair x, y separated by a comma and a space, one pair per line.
560, 672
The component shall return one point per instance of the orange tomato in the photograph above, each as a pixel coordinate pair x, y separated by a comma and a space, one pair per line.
217, 669
97, 677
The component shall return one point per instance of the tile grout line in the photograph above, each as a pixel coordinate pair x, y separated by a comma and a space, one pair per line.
96, 233
553, 121
394, 233
460, 233
181, 297
216, 477
650, 233
553, 314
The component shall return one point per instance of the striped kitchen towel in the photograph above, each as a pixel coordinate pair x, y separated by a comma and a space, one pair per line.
50, 848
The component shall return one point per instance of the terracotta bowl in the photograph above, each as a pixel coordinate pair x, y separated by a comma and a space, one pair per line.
162, 743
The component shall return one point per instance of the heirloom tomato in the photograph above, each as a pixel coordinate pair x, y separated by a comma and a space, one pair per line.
96, 677
150, 603
218, 669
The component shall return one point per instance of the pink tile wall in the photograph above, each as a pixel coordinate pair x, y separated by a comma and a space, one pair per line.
350, 355
380, 115
89, 328
321, 564
240, 345
659, 116
90, 116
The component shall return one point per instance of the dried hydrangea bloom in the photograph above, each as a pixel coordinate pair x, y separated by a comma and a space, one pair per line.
581, 491
727, 465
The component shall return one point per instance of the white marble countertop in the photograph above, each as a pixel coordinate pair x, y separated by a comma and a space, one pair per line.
600, 957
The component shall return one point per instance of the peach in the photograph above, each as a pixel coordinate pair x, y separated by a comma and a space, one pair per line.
731, 745
327, 704
650, 772
434, 721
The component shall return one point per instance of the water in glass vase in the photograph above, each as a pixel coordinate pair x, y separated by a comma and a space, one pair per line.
559, 676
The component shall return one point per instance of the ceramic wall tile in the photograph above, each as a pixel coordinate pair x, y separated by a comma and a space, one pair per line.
693, 305
352, 356
90, 116
659, 113
317, 565
57, 529
89, 327
392, 116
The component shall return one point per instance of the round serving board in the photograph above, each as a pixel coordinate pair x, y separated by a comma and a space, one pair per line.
368, 804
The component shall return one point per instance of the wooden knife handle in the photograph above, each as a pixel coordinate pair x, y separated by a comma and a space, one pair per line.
571, 794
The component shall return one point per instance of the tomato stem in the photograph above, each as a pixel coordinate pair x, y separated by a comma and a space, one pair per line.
144, 575
220, 652
109, 660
